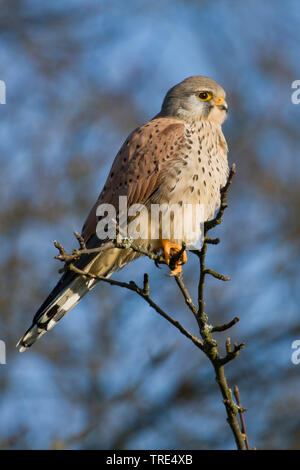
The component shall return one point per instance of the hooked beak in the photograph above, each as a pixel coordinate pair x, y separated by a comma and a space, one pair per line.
221, 104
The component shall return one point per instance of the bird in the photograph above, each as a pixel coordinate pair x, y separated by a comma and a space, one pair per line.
178, 157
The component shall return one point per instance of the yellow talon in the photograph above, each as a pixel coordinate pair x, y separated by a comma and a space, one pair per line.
168, 247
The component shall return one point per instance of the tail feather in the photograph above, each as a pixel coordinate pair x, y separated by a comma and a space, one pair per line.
68, 292
55, 307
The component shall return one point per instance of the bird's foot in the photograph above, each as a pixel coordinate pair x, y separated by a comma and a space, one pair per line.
172, 249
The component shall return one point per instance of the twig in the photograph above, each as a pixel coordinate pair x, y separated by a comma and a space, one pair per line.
209, 344
177, 257
213, 273
241, 411
186, 295
134, 287
206, 330
126, 244
226, 326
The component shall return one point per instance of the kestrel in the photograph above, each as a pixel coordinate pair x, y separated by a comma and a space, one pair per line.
178, 157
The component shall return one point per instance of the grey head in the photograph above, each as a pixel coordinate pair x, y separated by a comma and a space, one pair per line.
196, 98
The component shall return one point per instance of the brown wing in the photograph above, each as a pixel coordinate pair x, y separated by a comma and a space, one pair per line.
139, 165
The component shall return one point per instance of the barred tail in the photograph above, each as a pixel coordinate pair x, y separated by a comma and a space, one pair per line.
61, 300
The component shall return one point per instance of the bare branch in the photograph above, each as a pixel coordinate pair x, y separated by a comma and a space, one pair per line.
133, 287
186, 295
80, 240
226, 326
241, 411
219, 276
207, 344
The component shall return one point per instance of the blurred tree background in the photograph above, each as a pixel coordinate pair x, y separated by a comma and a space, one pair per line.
114, 375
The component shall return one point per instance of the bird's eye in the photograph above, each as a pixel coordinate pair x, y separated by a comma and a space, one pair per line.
204, 95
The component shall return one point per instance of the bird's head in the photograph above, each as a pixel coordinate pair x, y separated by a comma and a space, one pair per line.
196, 98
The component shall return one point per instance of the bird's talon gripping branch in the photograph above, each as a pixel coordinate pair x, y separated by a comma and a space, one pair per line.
170, 250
